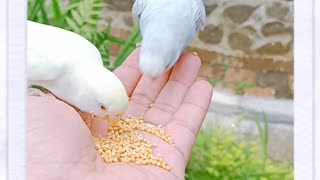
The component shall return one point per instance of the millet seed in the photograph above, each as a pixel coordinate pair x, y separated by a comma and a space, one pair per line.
125, 144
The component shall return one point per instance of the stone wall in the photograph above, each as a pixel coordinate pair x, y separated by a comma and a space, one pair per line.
255, 28
246, 47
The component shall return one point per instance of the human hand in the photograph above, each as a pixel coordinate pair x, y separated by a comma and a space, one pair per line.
60, 145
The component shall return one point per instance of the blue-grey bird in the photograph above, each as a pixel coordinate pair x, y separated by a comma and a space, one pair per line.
167, 28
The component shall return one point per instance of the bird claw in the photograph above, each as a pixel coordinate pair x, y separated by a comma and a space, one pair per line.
138, 44
35, 92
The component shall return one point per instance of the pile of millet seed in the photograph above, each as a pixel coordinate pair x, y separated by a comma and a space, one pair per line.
125, 144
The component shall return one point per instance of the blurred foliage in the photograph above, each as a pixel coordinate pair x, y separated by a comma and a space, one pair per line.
222, 155
82, 17
241, 86
214, 80
214, 62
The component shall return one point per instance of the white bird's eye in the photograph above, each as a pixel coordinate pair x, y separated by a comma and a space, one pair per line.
103, 108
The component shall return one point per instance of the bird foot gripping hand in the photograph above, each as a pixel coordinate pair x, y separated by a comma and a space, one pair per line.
138, 44
37, 92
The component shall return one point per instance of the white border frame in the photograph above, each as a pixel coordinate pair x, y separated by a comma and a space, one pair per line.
306, 126
3, 91
317, 87
304, 90
16, 88
304, 130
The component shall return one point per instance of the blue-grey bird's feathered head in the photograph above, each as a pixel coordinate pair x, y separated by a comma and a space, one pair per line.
167, 28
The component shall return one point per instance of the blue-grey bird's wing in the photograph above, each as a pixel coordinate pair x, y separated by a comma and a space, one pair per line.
138, 7
199, 14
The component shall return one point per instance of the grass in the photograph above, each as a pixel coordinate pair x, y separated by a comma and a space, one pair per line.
223, 155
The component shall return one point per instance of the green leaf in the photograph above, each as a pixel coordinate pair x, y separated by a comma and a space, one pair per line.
35, 9
44, 16
57, 13
91, 21
75, 1
86, 15
73, 25
70, 7
265, 140
127, 49
99, 5
77, 17
95, 13
82, 10
109, 26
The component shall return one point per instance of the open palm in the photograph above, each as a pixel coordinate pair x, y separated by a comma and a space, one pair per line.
60, 145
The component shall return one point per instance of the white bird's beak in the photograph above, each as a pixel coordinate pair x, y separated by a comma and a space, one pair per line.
113, 120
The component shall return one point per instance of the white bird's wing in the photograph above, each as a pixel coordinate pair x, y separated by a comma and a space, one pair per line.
199, 14
52, 50
42, 68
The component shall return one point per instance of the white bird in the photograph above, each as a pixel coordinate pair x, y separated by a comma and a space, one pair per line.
167, 27
71, 68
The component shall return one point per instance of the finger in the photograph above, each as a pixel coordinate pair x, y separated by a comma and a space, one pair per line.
146, 93
186, 122
182, 77
129, 73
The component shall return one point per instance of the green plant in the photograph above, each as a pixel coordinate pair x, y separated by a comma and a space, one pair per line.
241, 86
214, 80
127, 48
222, 155
225, 67
81, 17
214, 62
